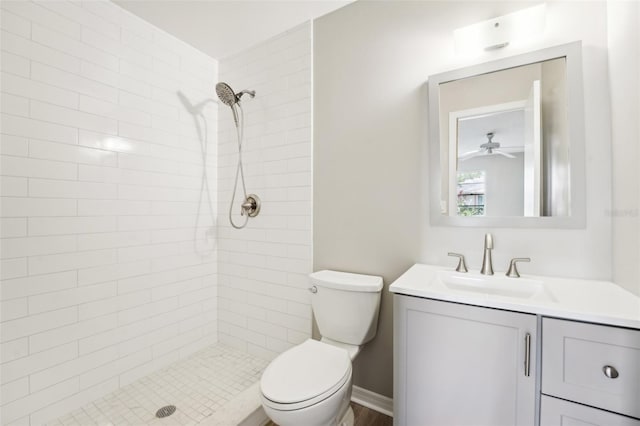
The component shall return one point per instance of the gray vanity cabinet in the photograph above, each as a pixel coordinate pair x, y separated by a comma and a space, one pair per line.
590, 364
462, 365
558, 412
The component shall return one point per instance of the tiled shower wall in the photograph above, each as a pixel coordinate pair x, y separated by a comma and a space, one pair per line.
263, 300
108, 236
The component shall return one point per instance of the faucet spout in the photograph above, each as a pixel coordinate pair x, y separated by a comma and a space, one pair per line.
487, 264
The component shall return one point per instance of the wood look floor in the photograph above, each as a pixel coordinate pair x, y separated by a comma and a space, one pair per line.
364, 417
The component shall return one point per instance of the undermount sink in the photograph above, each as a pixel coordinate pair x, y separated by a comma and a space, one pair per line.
494, 285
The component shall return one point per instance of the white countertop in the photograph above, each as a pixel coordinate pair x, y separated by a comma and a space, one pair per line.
600, 302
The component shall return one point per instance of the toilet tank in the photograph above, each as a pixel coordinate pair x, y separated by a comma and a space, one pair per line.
346, 305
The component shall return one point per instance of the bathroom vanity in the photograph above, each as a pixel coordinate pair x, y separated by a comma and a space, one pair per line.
472, 349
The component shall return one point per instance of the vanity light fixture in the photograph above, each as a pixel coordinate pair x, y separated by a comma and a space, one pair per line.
499, 32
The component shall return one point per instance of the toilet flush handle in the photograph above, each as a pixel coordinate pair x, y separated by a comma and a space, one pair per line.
313, 289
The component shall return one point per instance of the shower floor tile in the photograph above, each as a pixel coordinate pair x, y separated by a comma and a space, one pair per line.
197, 386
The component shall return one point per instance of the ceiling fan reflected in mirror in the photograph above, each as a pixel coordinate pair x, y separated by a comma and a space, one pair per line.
488, 148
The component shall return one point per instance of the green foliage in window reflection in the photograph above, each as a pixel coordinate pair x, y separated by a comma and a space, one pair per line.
471, 193
468, 177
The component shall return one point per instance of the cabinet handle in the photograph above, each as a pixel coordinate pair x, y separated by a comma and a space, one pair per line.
527, 355
610, 371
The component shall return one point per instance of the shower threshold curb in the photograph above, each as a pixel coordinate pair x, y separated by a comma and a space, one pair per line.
244, 410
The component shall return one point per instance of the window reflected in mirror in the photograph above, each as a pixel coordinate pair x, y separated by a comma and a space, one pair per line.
471, 193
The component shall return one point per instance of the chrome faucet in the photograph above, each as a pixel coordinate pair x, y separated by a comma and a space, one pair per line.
487, 264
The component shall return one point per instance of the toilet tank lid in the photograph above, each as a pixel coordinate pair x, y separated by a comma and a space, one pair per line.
346, 281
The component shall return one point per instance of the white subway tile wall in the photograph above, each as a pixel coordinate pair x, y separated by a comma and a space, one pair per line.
263, 298
108, 233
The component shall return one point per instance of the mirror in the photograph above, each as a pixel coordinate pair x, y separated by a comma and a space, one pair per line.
506, 142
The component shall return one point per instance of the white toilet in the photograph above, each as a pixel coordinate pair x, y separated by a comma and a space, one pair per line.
310, 384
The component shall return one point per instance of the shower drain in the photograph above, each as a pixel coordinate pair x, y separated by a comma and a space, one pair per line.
166, 411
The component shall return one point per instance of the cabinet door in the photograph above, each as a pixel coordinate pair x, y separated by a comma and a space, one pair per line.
558, 412
462, 365
575, 356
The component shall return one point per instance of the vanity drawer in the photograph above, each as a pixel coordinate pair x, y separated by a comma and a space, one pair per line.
558, 412
574, 359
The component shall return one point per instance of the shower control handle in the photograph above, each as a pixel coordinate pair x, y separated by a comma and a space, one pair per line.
246, 206
251, 206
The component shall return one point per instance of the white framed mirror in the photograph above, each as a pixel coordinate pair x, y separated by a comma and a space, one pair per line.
506, 142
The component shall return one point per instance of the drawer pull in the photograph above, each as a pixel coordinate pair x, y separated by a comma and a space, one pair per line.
610, 371
527, 355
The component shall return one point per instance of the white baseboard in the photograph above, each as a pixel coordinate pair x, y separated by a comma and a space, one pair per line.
366, 398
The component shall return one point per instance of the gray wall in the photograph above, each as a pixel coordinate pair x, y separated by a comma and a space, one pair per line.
366, 165
371, 60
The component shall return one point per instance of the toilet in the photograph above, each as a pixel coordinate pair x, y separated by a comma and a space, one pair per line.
310, 384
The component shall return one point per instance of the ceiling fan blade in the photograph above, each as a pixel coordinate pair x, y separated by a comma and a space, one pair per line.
512, 148
497, 151
470, 153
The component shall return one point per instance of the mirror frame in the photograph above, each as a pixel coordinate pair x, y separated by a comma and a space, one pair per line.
575, 116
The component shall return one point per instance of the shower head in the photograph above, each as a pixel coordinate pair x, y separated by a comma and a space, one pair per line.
230, 98
226, 94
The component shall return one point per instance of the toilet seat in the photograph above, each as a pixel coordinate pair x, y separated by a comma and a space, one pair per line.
305, 375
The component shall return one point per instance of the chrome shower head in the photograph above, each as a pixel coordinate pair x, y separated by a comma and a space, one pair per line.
226, 94
230, 98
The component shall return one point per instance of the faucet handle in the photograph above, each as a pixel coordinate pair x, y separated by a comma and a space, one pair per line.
462, 266
513, 268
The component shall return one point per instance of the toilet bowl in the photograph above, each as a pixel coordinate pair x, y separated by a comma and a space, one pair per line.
310, 384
